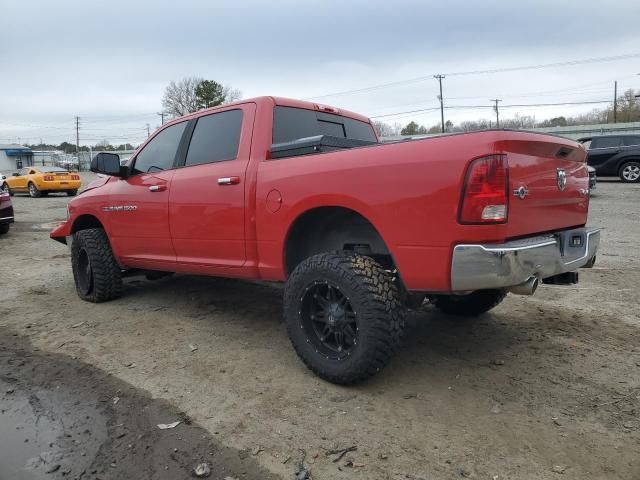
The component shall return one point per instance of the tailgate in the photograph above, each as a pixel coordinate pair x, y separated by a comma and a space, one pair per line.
549, 185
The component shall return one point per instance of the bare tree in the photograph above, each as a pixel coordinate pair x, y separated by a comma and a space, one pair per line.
383, 129
231, 94
180, 97
396, 127
519, 122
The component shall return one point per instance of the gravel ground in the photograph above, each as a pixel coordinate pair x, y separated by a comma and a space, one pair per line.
543, 387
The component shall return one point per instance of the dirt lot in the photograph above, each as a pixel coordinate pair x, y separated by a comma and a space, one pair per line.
544, 387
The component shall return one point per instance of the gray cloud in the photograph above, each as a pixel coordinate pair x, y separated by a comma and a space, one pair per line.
70, 57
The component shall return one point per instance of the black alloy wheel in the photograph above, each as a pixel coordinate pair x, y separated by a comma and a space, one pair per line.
343, 315
329, 320
84, 272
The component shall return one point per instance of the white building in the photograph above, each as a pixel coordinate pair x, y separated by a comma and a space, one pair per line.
14, 157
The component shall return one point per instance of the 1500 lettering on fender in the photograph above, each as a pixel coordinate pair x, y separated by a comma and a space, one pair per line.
278, 189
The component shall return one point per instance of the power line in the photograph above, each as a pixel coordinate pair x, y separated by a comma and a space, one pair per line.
492, 106
481, 72
530, 95
107, 118
589, 102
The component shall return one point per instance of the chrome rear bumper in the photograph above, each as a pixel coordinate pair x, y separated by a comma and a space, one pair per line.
477, 267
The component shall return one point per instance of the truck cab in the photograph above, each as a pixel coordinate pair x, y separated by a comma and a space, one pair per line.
285, 190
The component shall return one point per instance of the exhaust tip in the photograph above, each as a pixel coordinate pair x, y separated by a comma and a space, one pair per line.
527, 287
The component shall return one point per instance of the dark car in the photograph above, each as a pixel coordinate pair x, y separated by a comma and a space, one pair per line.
615, 155
6, 212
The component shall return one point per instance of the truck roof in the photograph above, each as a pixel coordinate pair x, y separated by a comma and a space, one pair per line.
289, 102
286, 102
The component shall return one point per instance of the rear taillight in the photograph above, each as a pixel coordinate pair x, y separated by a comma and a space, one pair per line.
75, 177
484, 195
48, 178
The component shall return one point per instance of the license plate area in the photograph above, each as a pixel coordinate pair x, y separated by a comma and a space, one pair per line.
572, 243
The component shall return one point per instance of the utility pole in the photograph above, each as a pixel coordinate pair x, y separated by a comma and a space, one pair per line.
162, 114
615, 102
496, 100
78, 141
439, 77
148, 134
78, 136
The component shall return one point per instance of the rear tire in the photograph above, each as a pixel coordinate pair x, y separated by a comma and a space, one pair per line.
4, 228
343, 316
630, 172
473, 304
33, 191
72, 193
95, 271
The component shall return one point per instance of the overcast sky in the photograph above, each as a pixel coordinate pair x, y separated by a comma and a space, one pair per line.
110, 64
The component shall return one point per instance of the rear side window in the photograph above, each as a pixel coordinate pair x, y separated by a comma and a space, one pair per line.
293, 123
605, 142
631, 141
216, 138
160, 153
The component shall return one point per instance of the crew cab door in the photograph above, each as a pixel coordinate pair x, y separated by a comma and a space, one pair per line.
138, 210
207, 199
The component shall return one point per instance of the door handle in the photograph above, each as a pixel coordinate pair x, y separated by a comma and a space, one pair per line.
157, 188
228, 180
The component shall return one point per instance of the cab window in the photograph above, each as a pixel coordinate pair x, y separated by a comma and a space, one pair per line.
160, 153
291, 123
216, 138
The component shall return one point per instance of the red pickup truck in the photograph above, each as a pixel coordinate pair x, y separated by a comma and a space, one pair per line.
278, 189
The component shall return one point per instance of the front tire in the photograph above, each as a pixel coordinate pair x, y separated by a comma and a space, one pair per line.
630, 172
33, 191
5, 188
95, 271
343, 316
470, 305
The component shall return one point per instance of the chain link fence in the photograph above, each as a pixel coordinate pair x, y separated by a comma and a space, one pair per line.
71, 161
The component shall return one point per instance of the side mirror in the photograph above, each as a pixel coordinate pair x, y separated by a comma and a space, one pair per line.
108, 164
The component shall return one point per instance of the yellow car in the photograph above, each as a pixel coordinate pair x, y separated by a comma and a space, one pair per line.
39, 181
